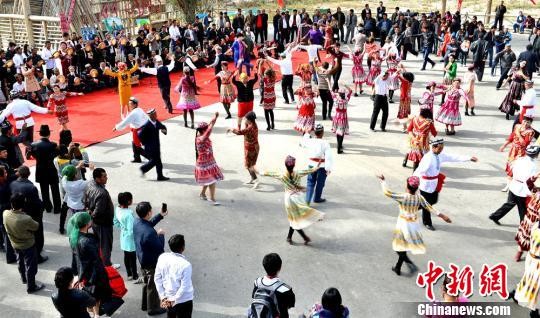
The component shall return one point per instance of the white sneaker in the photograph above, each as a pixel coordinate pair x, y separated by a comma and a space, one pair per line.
116, 266
249, 182
255, 184
215, 203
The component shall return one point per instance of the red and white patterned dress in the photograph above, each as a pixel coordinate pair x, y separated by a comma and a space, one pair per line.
449, 112
358, 72
393, 78
404, 98
226, 90
305, 121
188, 99
419, 141
57, 103
519, 145
207, 171
269, 93
340, 121
374, 71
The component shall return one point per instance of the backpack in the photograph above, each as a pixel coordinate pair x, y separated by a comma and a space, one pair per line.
116, 282
264, 303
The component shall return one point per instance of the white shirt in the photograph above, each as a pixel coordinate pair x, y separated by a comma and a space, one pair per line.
522, 169
318, 148
430, 166
359, 41
153, 70
18, 87
47, 55
18, 61
285, 64
381, 86
173, 278
528, 99
20, 108
390, 48
298, 20
312, 50
135, 119
74, 193
174, 32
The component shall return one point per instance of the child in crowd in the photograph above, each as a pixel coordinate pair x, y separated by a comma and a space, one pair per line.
123, 219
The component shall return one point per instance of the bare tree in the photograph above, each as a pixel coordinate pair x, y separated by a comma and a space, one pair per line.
191, 7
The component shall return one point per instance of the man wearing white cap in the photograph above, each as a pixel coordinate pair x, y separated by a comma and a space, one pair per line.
164, 81
523, 172
136, 118
431, 178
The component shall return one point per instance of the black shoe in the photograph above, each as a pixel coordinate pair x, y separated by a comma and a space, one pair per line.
355, 95
62, 231
23, 280
340, 151
404, 164
391, 101
507, 117
422, 69
156, 312
429, 227
397, 271
136, 160
273, 127
185, 125
228, 117
11, 262
36, 288
467, 113
268, 128
322, 200
163, 178
494, 220
472, 112
42, 259
286, 102
383, 129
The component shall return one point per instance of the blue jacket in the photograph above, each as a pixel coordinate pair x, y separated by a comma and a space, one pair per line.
148, 243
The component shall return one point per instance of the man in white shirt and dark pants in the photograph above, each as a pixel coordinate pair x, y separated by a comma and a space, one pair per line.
523, 172
286, 68
431, 179
380, 101
136, 118
319, 151
527, 103
173, 280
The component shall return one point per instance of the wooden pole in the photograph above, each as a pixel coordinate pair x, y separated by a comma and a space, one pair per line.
26, 12
487, 18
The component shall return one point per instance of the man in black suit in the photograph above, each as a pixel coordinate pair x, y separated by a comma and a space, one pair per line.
149, 136
33, 206
11, 143
380, 11
164, 81
340, 17
264, 35
479, 49
531, 58
44, 151
283, 28
275, 22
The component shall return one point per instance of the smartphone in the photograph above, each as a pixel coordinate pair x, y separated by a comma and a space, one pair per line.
163, 207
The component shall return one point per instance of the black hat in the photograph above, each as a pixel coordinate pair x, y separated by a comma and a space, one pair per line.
44, 131
2, 148
5, 125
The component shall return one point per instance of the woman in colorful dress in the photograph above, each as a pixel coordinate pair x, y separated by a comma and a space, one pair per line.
449, 112
407, 237
299, 213
328, 36
304, 72
305, 121
450, 73
374, 71
251, 145
517, 88
469, 79
428, 97
188, 100
57, 103
419, 130
520, 138
340, 122
371, 48
406, 79
226, 90
207, 172
527, 290
523, 234
358, 72
244, 89
393, 79
269, 97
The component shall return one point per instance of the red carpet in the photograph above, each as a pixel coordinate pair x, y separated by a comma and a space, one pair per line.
93, 116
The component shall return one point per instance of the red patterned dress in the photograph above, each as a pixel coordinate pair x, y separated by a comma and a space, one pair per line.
393, 78
404, 99
269, 93
226, 90
305, 121
519, 145
419, 130
340, 121
207, 171
251, 144
374, 71
358, 72
531, 217
57, 103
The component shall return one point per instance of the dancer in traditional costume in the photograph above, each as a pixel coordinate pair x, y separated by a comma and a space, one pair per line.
299, 213
406, 79
517, 88
226, 90
136, 119
450, 73
244, 89
358, 72
251, 145
469, 80
305, 121
520, 138
304, 72
269, 97
123, 76
419, 130
428, 97
57, 103
188, 100
523, 235
449, 112
340, 122
375, 69
207, 172
407, 236
393, 78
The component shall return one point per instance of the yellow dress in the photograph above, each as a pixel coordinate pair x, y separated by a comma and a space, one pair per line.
124, 83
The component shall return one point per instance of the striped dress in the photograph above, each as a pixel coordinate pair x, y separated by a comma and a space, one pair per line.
529, 285
407, 237
299, 213
523, 234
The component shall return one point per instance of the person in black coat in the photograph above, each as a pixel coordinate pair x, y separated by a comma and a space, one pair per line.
69, 300
33, 206
149, 136
479, 49
275, 21
163, 79
44, 151
11, 143
531, 58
